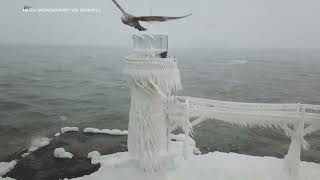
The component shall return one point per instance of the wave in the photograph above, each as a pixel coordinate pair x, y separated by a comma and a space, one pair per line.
10, 105
239, 61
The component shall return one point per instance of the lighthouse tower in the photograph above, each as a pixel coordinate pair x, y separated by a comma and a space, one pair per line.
153, 77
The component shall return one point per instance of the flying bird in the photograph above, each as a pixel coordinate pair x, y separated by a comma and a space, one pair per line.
134, 21
27, 7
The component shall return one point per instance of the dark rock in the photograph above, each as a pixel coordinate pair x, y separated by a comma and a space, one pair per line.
42, 165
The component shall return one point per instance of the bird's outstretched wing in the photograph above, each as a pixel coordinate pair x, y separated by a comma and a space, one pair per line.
118, 5
159, 18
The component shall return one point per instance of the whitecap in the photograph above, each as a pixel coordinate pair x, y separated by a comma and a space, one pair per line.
237, 61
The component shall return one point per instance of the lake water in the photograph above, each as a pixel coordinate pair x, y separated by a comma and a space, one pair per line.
45, 88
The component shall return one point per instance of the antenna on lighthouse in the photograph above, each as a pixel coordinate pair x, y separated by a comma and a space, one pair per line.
150, 14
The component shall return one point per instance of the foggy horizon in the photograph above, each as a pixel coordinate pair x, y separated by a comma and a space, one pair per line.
214, 24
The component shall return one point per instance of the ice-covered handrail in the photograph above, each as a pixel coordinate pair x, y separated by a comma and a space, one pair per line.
250, 114
297, 120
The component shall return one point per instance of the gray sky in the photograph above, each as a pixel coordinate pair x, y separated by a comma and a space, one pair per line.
214, 23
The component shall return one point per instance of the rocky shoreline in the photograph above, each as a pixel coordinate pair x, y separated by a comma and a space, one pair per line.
42, 165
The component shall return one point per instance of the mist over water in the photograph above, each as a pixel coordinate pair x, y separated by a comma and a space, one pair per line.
45, 88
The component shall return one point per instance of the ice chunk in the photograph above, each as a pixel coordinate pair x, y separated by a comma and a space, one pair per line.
66, 129
69, 129
93, 154
6, 167
106, 131
24, 154
62, 153
38, 143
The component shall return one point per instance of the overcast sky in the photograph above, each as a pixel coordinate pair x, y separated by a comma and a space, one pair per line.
214, 23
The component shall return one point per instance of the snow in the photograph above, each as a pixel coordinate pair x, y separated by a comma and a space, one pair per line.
24, 154
38, 143
106, 131
66, 129
182, 138
6, 178
189, 141
69, 129
216, 165
61, 153
5, 167
94, 155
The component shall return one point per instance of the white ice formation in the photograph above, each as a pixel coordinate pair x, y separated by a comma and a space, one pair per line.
149, 45
69, 129
5, 167
93, 154
62, 153
297, 120
154, 111
66, 129
105, 131
153, 77
211, 166
187, 140
38, 143
6, 178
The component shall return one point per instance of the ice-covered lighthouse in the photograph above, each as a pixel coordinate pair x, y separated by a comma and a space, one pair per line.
153, 77
155, 111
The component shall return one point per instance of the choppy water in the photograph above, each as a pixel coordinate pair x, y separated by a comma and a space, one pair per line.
45, 88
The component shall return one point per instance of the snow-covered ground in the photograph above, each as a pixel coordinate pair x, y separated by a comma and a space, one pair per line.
6, 178
212, 166
106, 131
5, 167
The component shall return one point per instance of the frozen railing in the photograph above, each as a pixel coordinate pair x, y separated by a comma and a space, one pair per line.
297, 120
